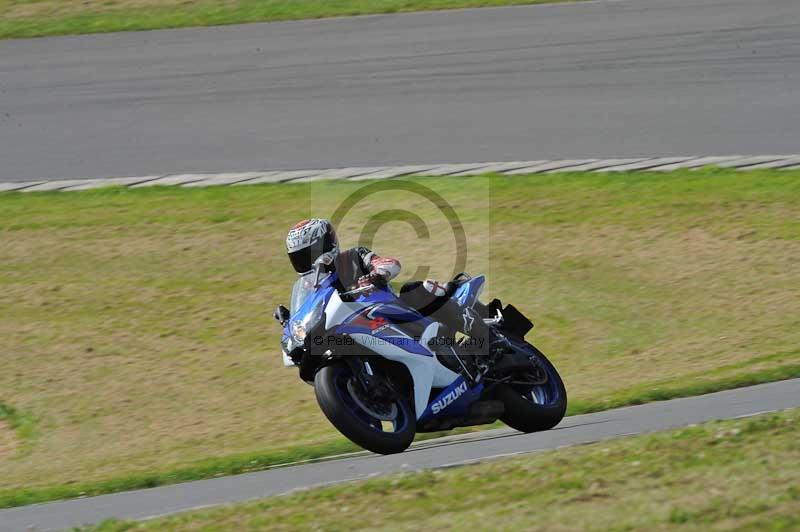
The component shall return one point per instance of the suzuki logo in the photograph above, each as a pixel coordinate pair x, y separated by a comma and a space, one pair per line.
451, 396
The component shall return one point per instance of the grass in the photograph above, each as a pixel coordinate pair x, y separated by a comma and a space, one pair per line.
15, 428
716, 476
208, 468
36, 18
139, 343
259, 461
8, 437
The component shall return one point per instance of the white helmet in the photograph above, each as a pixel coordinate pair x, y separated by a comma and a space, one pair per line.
309, 239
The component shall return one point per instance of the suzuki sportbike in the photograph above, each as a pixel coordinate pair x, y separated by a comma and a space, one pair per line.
379, 381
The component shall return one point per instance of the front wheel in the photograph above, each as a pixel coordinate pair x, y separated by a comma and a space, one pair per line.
538, 407
380, 426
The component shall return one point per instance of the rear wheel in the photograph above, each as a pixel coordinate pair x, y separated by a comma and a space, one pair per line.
534, 407
384, 426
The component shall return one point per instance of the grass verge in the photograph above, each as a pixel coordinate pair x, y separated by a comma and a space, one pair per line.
137, 323
214, 467
234, 465
722, 475
37, 18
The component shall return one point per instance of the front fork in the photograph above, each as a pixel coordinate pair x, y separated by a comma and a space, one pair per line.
372, 382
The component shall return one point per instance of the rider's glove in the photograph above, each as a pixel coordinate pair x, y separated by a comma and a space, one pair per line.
373, 279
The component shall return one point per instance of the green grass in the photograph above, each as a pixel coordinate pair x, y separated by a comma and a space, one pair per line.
247, 463
23, 425
139, 343
36, 18
213, 467
731, 475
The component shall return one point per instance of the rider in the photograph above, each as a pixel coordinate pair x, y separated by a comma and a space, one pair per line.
310, 240
313, 239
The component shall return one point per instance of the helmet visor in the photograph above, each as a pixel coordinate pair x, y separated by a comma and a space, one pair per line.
302, 259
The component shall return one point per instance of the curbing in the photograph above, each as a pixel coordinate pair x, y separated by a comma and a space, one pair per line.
650, 164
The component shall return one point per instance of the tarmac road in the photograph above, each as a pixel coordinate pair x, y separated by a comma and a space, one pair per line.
597, 79
442, 452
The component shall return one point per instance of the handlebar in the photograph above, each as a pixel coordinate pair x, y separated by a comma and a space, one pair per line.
359, 290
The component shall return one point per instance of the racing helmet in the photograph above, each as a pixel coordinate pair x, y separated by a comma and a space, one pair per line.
309, 239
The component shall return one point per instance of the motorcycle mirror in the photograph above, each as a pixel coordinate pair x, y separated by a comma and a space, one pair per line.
317, 270
281, 314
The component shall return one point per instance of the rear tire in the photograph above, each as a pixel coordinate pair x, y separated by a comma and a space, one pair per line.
354, 422
522, 413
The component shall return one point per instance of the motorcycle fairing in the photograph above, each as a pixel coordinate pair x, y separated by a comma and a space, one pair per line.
426, 371
468, 292
320, 296
453, 401
380, 321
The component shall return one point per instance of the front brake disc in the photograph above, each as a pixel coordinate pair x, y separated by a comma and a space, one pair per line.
382, 412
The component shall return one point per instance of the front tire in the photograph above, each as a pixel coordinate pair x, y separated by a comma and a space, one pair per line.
338, 395
537, 408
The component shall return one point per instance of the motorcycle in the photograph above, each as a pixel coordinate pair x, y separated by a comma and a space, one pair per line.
378, 379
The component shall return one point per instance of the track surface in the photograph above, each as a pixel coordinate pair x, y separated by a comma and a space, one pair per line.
625, 78
433, 453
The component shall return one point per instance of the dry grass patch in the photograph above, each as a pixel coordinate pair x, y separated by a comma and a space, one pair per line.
8, 441
668, 291
138, 334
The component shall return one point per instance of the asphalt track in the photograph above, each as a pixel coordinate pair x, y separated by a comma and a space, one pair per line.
443, 452
630, 78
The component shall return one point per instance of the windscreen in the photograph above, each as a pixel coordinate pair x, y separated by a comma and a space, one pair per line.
303, 288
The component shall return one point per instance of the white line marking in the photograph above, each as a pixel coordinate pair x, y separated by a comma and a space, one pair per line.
661, 164
544, 166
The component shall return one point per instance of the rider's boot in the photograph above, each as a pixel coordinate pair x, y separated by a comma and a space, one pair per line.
482, 340
443, 346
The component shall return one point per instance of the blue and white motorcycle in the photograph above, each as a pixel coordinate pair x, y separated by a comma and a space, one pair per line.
379, 382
